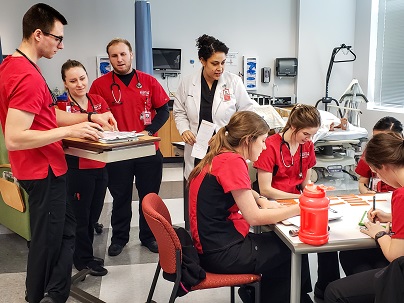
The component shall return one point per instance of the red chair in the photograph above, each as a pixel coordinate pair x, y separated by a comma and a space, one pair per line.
159, 220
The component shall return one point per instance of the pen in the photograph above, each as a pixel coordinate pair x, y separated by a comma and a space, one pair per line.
374, 208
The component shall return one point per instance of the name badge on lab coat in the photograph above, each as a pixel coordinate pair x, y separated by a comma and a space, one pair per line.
226, 94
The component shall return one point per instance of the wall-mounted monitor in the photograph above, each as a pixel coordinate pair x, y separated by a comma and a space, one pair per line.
167, 59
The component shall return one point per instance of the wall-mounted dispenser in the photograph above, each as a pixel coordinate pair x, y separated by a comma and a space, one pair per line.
265, 74
286, 67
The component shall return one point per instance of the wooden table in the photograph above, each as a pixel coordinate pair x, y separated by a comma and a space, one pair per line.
110, 152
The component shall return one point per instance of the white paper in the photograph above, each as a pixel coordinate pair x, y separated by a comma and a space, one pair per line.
331, 216
117, 136
203, 136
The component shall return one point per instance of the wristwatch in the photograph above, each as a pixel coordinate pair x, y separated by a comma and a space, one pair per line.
89, 116
150, 133
379, 235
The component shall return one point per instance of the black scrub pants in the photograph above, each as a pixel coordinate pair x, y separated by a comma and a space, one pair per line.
86, 190
51, 249
327, 269
357, 288
264, 254
356, 261
148, 172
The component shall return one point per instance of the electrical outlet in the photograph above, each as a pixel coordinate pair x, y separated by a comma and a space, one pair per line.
172, 94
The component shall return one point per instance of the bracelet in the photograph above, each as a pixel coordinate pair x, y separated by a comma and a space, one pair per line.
89, 116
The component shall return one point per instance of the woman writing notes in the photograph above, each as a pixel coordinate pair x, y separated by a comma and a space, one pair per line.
219, 188
284, 169
86, 179
385, 155
355, 261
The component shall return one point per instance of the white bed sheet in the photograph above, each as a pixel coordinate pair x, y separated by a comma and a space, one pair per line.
353, 132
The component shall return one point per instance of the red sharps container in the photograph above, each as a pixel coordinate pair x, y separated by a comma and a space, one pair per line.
313, 215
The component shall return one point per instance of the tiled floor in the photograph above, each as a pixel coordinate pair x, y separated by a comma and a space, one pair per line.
130, 273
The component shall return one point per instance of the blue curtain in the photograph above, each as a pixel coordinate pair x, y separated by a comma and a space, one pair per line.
143, 37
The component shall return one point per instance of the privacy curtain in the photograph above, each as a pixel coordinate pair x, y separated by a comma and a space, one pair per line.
1, 52
143, 37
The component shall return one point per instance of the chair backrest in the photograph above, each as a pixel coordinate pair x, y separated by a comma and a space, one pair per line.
159, 220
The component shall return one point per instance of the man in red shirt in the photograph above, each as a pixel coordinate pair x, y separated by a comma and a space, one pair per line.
33, 139
139, 103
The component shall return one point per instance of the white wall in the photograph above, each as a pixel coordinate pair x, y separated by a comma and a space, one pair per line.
324, 25
307, 29
91, 25
263, 28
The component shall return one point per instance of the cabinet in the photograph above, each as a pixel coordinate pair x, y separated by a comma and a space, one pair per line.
169, 133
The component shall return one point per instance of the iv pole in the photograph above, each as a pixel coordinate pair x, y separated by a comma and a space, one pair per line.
327, 100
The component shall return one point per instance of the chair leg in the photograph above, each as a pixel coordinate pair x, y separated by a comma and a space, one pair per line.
175, 289
232, 296
153, 286
178, 277
257, 288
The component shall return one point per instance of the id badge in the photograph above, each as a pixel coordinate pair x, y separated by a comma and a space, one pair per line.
226, 94
376, 184
146, 117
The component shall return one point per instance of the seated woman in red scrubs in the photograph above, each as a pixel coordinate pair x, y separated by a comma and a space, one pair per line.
355, 261
385, 155
284, 169
222, 207
369, 183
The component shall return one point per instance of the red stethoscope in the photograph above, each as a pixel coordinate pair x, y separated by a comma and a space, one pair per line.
118, 101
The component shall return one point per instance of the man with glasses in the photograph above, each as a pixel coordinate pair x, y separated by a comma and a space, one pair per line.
33, 139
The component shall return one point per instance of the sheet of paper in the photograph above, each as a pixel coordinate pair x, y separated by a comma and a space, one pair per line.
117, 136
332, 215
203, 136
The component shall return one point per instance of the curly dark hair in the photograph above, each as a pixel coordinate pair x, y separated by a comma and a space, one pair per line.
208, 45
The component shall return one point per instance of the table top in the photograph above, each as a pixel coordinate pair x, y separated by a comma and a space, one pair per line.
100, 147
344, 233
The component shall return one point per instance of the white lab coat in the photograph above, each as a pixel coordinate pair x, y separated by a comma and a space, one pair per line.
188, 100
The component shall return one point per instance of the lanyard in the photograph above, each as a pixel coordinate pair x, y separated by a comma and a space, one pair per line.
54, 100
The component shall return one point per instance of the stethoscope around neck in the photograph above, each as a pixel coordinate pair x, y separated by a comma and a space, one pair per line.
82, 110
138, 85
293, 162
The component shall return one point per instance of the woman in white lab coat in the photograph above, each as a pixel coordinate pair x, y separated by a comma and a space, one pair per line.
210, 94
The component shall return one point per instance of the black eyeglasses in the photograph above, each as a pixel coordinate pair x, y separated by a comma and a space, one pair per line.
59, 38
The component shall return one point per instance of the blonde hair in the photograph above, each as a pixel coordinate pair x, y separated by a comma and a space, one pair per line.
243, 126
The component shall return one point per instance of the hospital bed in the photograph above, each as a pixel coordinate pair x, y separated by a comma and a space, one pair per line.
336, 150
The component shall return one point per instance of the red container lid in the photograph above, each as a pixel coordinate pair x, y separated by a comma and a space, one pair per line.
313, 191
